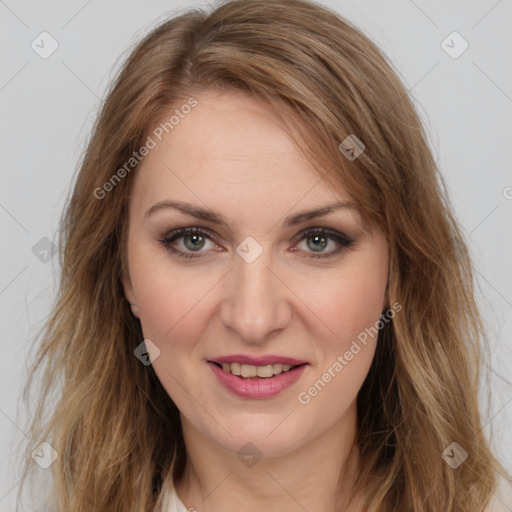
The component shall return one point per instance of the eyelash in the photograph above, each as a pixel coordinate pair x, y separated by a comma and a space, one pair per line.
340, 238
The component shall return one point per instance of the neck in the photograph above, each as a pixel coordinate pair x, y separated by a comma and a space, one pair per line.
318, 475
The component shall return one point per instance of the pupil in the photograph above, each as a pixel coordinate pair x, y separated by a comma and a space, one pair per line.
197, 242
320, 242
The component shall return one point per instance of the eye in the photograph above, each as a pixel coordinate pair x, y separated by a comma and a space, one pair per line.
316, 240
189, 242
192, 240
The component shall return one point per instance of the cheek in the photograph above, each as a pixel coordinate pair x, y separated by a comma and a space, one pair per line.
347, 302
359, 305
170, 301
346, 347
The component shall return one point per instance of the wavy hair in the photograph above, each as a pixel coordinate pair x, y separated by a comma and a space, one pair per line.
117, 432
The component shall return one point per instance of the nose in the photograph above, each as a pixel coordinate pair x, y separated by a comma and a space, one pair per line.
256, 303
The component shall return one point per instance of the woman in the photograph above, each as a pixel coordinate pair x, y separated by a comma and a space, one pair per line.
265, 300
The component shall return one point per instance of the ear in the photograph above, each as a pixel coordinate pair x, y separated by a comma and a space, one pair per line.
128, 293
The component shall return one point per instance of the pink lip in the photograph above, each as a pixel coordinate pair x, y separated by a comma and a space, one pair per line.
257, 361
255, 387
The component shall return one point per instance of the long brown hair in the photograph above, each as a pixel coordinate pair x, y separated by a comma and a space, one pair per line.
115, 429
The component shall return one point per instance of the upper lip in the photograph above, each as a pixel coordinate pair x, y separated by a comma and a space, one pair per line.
257, 360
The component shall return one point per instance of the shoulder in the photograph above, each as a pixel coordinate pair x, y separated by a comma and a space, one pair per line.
502, 498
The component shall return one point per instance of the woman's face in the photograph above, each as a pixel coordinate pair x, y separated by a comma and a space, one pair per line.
262, 283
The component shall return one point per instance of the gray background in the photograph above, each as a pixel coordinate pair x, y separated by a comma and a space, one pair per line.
48, 106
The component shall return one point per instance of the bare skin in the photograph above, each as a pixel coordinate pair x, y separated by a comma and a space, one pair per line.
231, 155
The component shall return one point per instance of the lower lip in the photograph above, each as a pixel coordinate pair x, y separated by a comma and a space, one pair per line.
255, 387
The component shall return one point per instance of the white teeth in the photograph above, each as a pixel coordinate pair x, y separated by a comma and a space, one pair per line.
249, 370
236, 369
265, 371
278, 368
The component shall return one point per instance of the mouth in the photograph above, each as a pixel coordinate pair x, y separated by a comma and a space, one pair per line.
269, 377
249, 371
257, 377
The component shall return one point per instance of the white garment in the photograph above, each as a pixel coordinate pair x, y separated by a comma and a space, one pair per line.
172, 503
500, 502
169, 500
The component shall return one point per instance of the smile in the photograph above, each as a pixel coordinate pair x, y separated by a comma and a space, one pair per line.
248, 370
256, 381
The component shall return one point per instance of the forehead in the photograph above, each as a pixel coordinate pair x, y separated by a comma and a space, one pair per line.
231, 150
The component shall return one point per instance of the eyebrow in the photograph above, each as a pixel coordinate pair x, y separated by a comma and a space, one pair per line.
216, 218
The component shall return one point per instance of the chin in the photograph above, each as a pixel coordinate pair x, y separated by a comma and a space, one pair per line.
267, 438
